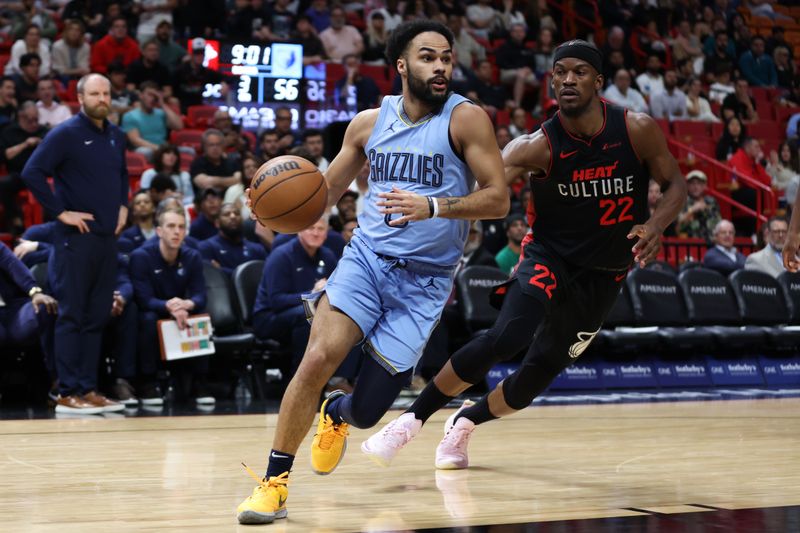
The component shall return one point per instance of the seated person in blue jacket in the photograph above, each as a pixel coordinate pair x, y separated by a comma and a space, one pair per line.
27, 314
208, 205
142, 220
228, 248
333, 241
35, 245
300, 266
169, 202
724, 257
168, 283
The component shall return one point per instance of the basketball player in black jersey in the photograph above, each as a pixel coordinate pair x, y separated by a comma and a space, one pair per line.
589, 169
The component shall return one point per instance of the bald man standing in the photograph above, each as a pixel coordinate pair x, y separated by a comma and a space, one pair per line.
86, 157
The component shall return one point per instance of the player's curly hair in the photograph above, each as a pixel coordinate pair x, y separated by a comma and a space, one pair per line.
405, 33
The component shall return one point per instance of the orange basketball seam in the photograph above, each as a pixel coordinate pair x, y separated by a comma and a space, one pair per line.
283, 180
301, 204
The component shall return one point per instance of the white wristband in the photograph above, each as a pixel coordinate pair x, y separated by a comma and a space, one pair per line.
435, 208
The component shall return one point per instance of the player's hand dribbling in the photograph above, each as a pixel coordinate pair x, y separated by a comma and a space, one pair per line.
648, 245
790, 260
410, 205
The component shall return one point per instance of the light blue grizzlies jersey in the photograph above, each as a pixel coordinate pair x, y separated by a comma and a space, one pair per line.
416, 157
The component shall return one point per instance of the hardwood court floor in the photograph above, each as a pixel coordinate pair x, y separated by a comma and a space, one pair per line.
546, 463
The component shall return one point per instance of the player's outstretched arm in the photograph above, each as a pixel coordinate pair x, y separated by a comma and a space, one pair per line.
473, 136
526, 153
790, 249
348, 162
650, 145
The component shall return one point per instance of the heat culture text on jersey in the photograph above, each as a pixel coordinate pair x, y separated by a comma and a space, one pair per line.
594, 193
597, 181
406, 166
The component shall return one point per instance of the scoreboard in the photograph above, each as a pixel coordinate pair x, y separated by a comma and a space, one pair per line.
263, 78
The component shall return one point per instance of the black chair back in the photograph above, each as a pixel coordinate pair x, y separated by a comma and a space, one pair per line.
709, 298
475, 284
760, 298
790, 283
621, 313
688, 265
656, 298
246, 278
219, 301
661, 266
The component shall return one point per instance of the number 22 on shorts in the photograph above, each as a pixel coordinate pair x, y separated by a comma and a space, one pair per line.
544, 279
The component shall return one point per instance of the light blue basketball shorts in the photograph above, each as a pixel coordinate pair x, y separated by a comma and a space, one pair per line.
395, 302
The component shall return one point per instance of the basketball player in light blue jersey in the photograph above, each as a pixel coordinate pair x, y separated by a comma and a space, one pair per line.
426, 149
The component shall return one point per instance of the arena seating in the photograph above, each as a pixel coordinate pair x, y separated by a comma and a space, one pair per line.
266, 353
711, 304
761, 301
474, 285
621, 333
790, 282
658, 301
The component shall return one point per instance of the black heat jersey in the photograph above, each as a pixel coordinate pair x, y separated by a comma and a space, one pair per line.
593, 194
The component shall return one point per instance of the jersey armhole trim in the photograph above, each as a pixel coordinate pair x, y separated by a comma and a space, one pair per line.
550, 148
374, 131
628, 133
459, 155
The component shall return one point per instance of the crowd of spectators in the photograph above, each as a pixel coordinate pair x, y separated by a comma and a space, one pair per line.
697, 61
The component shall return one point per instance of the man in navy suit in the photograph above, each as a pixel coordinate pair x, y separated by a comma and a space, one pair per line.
724, 257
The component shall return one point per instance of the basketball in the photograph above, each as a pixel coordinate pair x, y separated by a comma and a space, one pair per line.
288, 194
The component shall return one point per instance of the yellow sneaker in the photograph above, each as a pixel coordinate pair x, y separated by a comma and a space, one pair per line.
330, 441
268, 501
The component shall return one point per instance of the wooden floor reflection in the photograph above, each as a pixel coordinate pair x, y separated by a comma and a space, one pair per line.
544, 464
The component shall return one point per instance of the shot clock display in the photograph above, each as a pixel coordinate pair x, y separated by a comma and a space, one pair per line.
263, 78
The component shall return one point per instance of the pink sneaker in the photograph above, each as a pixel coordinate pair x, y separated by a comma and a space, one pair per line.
451, 454
384, 445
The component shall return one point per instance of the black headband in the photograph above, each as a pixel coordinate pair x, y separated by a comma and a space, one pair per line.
580, 50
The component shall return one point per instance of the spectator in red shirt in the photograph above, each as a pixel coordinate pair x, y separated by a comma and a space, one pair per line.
747, 161
116, 46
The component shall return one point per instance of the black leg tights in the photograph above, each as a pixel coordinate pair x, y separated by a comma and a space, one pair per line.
512, 332
375, 391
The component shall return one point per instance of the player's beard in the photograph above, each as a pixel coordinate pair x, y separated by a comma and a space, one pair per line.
422, 90
233, 234
98, 112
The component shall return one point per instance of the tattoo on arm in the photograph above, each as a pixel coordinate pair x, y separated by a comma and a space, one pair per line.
450, 202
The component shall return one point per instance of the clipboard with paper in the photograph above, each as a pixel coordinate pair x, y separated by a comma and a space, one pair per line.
194, 341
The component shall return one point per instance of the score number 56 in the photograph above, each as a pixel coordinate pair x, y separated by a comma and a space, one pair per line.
286, 89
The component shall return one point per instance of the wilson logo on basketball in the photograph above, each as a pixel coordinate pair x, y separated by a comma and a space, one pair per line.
274, 170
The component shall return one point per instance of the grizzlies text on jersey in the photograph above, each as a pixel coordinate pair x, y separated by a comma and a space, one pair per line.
417, 157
